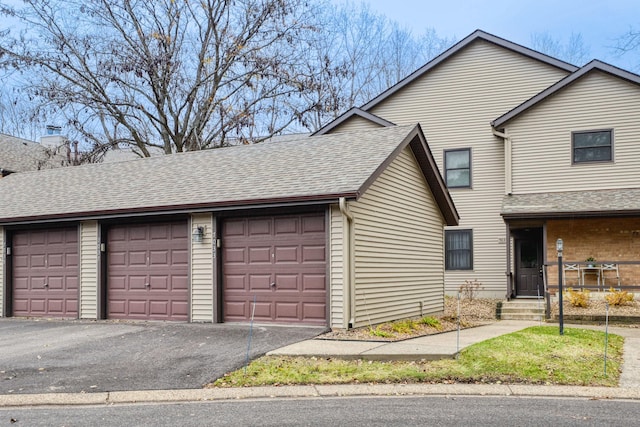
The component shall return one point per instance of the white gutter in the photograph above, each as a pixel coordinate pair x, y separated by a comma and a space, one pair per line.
508, 176
349, 273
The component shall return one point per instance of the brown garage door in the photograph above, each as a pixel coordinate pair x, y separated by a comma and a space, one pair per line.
147, 271
281, 262
45, 273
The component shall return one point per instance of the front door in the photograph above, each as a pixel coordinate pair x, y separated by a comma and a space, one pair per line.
528, 263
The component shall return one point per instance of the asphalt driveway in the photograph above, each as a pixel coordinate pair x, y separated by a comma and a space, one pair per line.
48, 356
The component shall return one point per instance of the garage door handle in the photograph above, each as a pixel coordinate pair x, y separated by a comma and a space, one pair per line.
273, 284
46, 285
147, 285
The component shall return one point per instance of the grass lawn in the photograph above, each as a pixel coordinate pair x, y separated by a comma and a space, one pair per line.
536, 355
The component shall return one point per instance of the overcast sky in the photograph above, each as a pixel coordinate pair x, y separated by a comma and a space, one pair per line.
599, 22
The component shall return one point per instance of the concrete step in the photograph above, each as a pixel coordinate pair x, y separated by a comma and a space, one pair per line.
516, 316
516, 310
522, 310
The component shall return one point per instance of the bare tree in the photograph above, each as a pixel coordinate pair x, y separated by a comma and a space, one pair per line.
629, 44
361, 53
573, 51
172, 74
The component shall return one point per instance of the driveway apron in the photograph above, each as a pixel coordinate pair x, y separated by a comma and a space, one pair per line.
43, 356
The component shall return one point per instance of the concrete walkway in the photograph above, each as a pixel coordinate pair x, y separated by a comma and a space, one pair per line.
429, 347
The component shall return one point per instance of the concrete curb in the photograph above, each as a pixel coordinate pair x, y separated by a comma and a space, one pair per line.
317, 391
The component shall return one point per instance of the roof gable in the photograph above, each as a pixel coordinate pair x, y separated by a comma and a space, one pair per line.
592, 66
353, 112
473, 37
309, 169
458, 47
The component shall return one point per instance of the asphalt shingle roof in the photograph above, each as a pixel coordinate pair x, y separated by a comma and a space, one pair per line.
19, 155
307, 168
572, 203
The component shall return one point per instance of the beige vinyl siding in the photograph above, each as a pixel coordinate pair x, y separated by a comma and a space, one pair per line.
355, 123
542, 137
338, 251
89, 267
454, 103
3, 248
202, 281
398, 238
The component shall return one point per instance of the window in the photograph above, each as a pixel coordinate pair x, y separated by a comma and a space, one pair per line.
457, 168
593, 146
458, 245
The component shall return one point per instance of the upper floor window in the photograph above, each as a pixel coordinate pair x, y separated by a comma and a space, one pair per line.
457, 168
592, 146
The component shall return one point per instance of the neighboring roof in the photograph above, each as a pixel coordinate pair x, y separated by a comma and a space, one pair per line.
572, 204
476, 35
19, 155
594, 65
350, 113
308, 169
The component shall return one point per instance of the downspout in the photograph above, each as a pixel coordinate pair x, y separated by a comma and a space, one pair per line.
349, 277
507, 160
508, 191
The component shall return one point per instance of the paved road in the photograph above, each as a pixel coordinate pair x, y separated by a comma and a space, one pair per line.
82, 356
360, 411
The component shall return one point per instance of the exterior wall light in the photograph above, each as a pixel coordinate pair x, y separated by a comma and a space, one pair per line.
198, 234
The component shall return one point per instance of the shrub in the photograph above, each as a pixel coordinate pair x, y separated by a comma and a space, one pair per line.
403, 326
618, 298
379, 332
431, 321
469, 289
577, 298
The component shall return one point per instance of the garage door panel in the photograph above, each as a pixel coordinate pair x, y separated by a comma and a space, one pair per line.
313, 225
316, 311
20, 261
313, 254
286, 282
180, 283
259, 282
159, 258
314, 282
234, 282
234, 228
157, 283
160, 232
235, 310
117, 308
36, 261
289, 251
137, 307
56, 306
36, 306
285, 254
179, 308
159, 308
234, 255
137, 258
45, 272
286, 226
259, 227
287, 311
179, 257
262, 311
147, 271
260, 255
